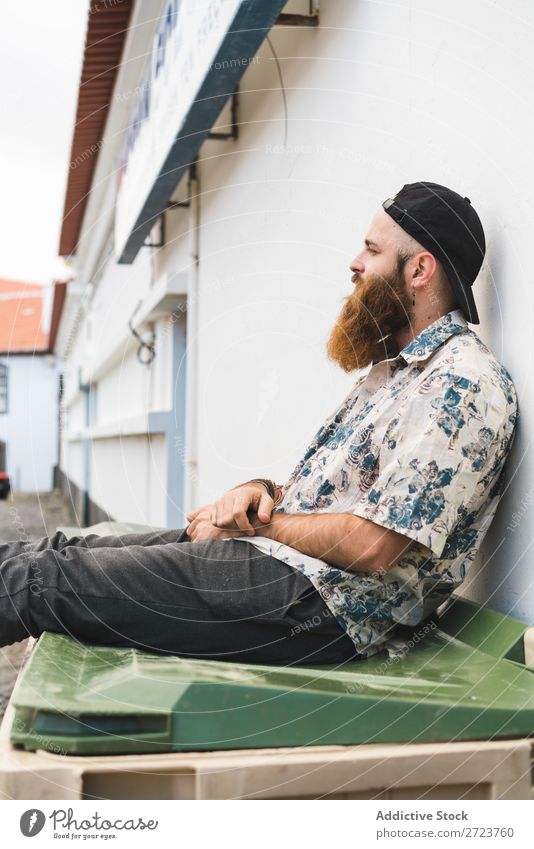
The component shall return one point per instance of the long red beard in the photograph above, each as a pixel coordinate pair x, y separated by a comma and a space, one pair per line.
378, 307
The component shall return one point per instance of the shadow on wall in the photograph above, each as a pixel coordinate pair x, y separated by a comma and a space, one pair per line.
499, 575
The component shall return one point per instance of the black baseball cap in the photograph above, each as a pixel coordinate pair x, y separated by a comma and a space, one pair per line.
446, 224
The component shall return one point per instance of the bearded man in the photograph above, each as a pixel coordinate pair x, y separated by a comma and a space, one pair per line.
378, 523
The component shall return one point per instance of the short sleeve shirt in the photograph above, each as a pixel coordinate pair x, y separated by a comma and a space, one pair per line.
417, 446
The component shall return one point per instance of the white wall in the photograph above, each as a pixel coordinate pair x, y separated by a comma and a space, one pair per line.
123, 473
29, 428
128, 478
377, 96
72, 461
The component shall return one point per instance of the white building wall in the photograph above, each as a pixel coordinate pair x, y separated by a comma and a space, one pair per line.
377, 96
72, 461
124, 473
30, 426
128, 478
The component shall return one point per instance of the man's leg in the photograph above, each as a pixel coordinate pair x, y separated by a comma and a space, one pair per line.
59, 541
220, 599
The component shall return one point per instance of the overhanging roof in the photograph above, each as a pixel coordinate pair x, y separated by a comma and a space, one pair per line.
106, 32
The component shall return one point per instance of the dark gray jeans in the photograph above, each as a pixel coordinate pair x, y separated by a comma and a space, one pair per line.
217, 599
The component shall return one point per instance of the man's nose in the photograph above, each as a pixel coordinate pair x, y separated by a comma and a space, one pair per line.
357, 266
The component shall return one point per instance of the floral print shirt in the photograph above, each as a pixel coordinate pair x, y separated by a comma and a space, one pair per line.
418, 446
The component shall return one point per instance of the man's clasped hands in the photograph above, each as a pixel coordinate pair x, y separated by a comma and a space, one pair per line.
229, 515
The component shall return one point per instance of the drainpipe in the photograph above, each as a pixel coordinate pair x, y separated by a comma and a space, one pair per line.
85, 388
56, 482
191, 456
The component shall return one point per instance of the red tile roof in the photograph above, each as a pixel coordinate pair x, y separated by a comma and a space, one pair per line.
21, 310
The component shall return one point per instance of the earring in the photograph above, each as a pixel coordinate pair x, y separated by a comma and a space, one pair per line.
413, 297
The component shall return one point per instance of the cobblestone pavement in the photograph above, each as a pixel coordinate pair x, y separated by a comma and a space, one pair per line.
26, 516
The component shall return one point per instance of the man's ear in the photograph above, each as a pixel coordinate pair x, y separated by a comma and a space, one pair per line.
424, 267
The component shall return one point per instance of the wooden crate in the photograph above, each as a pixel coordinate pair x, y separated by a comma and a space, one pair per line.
465, 770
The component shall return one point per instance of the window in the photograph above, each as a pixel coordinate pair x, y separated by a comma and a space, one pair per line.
3, 388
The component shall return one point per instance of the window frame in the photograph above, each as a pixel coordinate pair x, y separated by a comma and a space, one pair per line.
3, 389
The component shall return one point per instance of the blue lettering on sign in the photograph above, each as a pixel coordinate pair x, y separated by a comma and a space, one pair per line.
156, 62
169, 22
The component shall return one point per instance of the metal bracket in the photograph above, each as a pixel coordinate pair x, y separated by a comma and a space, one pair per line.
234, 132
309, 20
180, 204
174, 204
161, 242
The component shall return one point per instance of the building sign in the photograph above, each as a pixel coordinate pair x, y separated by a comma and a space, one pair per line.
199, 52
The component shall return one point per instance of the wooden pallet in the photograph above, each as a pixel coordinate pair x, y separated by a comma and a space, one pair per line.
466, 770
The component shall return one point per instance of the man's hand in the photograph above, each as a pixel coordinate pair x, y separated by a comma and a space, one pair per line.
200, 526
230, 510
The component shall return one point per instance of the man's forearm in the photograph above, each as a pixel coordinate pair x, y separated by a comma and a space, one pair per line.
337, 538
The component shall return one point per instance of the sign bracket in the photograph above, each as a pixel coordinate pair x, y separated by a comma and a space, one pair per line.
234, 132
174, 204
309, 20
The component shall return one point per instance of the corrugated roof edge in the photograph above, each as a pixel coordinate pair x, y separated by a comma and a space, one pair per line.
107, 27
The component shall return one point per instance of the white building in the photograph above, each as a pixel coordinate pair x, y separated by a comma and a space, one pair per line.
29, 383
238, 292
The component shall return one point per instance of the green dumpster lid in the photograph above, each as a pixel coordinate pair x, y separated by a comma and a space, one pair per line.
78, 698
488, 630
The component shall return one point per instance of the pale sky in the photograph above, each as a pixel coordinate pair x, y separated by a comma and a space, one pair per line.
41, 48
